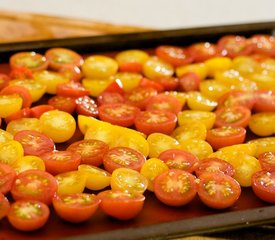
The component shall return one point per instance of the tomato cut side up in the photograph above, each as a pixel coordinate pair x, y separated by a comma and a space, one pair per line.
267, 161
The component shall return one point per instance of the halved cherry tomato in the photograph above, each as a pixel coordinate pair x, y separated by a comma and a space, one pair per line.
10, 104
86, 106
24, 124
177, 56
265, 101
4, 206
197, 101
147, 83
213, 164
265, 44
179, 159
62, 103
213, 89
217, 64
189, 81
58, 125
110, 97
7, 177
218, 190
234, 45
203, 51
225, 136
96, 178
164, 102
21, 91
168, 83
235, 116
119, 157
34, 142
21, 73
263, 185
118, 113
200, 148
120, 204
264, 144
33, 184
38, 110
10, 151
73, 73
140, 96
77, 207
175, 187
28, 215
126, 179
199, 68
70, 182
72, 89
22, 113
267, 161
90, 150
5, 136
60, 161
262, 123
60, 57
4, 80
29, 162
31, 60
153, 121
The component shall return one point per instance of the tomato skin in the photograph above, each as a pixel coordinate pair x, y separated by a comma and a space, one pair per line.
225, 136
262, 123
76, 208
91, 151
110, 97
34, 143
118, 157
262, 183
161, 121
38, 110
168, 83
71, 89
7, 177
4, 206
73, 73
120, 204
218, 190
235, 116
60, 57
265, 101
22, 113
181, 192
147, 83
62, 103
203, 51
60, 161
214, 165
177, 56
86, 106
265, 44
33, 184
189, 81
37, 216
118, 114
179, 159
267, 161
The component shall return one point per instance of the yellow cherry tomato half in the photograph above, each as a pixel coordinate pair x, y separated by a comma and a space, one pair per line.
213, 89
10, 152
5, 136
21, 124
262, 124
128, 80
265, 144
217, 64
197, 101
200, 148
29, 162
198, 68
10, 104
58, 125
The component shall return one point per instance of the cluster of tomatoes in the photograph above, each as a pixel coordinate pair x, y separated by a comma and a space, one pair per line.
82, 133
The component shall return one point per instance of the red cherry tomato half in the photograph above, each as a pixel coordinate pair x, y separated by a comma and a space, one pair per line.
109, 97
130, 67
233, 46
212, 165
21, 73
218, 190
66, 104
146, 83
123, 157
38, 110
28, 215
267, 161
86, 106
203, 51
263, 185
179, 159
235, 116
34, 143
118, 113
264, 101
33, 184
22, 113
61, 161
4, 206
164, 102
168, 83
122, 205
21, 91
115, 86
77, 207
264, 44
189, 81
72, 89
71, 72
30, 60
225, 136
177, 56
149, 122
60, 57
175, 187
7, 177
91, 151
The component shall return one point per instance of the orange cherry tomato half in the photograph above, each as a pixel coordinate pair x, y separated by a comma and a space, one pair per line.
264, 101
7, 177
86, 106
175, 187
203, 51
62, 103
267, 161
110, 97
189, 81
77, 207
